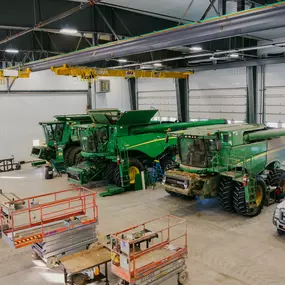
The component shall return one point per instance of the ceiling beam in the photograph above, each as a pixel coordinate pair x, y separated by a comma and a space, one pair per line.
142, 12
217, 28
50, 21
253, 62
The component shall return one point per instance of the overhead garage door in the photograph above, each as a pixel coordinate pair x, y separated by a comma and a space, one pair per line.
218, 94
159, 94
21, 114
275, 95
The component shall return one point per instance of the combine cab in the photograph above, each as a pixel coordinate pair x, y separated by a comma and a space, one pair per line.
119, 146
240, 164
62, 144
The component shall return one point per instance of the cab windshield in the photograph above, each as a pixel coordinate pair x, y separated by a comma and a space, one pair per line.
88, 141
54, 132
197, 152
92, 140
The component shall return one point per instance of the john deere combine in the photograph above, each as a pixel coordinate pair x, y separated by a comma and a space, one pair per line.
62, 144
240, 164
118, 146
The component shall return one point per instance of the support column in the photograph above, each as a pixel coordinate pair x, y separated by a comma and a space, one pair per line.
222, 7
132, 93
240, 5
182, 97
89, 96
251, 106
261, 94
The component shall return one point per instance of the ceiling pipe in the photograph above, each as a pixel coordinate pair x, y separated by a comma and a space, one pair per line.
258, 19
51, 20
203, 55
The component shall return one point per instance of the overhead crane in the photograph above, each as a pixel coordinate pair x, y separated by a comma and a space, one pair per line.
87, 73
14, 74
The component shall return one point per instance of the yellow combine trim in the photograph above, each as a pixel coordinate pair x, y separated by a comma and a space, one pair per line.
88, 73
149, 142
133, 172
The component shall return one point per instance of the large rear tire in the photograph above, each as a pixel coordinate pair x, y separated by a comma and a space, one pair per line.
135, 167
74, 156
225, 193
277, 178
110, 172
167, 163
67, 152
239, 198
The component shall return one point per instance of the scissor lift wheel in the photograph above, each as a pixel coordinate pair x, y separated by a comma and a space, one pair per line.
35, 256
183, 277
51, 262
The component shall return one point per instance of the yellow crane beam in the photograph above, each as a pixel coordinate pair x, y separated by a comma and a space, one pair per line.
87, 73
15, 74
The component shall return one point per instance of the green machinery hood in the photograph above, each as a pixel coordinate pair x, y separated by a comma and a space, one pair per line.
139, 117
265, 134
115, 117
76, 117
209, 130
164, 127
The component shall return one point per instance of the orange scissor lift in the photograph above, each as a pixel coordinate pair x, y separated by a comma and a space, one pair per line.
56, 223
151, 253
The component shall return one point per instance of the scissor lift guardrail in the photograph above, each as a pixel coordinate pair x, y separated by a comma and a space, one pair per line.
144, 253
46, 215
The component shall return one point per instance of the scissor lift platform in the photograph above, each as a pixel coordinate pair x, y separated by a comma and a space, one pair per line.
151, 253
54, 224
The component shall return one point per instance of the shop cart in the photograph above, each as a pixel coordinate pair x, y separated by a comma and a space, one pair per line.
151, 253
85, 266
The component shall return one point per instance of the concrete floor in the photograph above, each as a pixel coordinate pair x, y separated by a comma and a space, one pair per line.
223, 248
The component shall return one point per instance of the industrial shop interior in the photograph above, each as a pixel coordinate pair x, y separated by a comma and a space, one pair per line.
142, 142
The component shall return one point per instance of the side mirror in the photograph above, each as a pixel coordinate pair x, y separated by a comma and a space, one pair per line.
166, 139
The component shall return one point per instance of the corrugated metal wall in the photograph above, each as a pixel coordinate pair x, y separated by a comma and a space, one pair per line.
275, 95
158, 94
218, 94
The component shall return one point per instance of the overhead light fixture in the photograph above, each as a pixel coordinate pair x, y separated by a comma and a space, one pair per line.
234, 55
68, 31
196, 48
11, 50
146, 67
122, 60
157, 64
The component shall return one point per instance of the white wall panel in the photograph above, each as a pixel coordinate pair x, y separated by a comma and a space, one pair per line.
47, 80
159, 94
21, 113
218, 94
275, 93
117, 98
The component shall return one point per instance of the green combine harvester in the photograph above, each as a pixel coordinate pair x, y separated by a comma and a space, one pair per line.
62, 146
241, 164
119, 146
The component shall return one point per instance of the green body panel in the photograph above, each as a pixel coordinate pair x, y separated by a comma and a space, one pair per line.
139, 117
114, 135
174, 126
150, 144
225, 150
267, 134
59, 135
